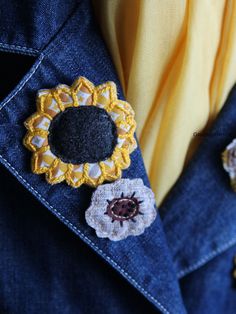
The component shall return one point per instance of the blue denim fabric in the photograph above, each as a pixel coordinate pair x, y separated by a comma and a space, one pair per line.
211, 288
199, 218
28, 26
50, 259
44, 267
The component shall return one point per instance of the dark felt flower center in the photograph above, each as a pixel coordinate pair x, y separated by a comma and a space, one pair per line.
82, 134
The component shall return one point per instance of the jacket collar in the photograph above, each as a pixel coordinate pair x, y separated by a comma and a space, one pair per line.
199, 213
77, 50
27, 28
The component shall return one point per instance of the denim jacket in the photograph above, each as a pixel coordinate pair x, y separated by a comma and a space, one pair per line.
51, 261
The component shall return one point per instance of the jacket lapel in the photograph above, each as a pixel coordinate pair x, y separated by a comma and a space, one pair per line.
78, 51
200, 212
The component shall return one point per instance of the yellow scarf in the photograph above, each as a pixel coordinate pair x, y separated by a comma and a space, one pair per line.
176, 60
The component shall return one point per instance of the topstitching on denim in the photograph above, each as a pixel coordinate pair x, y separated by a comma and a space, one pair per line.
19, 49
6, 163
82, 235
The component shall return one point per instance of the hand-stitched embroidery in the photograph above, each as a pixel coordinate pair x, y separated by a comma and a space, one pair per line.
83, 134
125, 207
229, 162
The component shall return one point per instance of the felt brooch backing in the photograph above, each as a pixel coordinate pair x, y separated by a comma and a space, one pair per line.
120, 209
81, 134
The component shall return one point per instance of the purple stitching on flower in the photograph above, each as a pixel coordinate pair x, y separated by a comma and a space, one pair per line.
123, 208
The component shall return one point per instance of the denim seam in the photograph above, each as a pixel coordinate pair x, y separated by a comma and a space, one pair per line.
35, 52
82, 235
46, 53
206, 258
18, 48
23, 82
53, 43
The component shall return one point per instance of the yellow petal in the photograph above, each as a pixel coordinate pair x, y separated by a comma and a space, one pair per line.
119, 114
121, 158
57, 172
129, 143
124, 128
83, 92
74, 177
106, 94
123, 106
110, 170
94, 171
36, 140
132, 144
42, 160
93, 174
47, 104
63, 96
38, 121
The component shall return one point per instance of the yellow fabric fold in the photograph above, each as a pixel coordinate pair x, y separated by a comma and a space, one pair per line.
176, 60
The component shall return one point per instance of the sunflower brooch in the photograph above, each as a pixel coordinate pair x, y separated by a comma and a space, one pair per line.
81, 134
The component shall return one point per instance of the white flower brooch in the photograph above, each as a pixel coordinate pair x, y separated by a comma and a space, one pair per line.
120, 209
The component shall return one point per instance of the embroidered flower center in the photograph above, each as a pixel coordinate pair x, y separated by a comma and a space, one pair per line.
83, 134
123, 208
